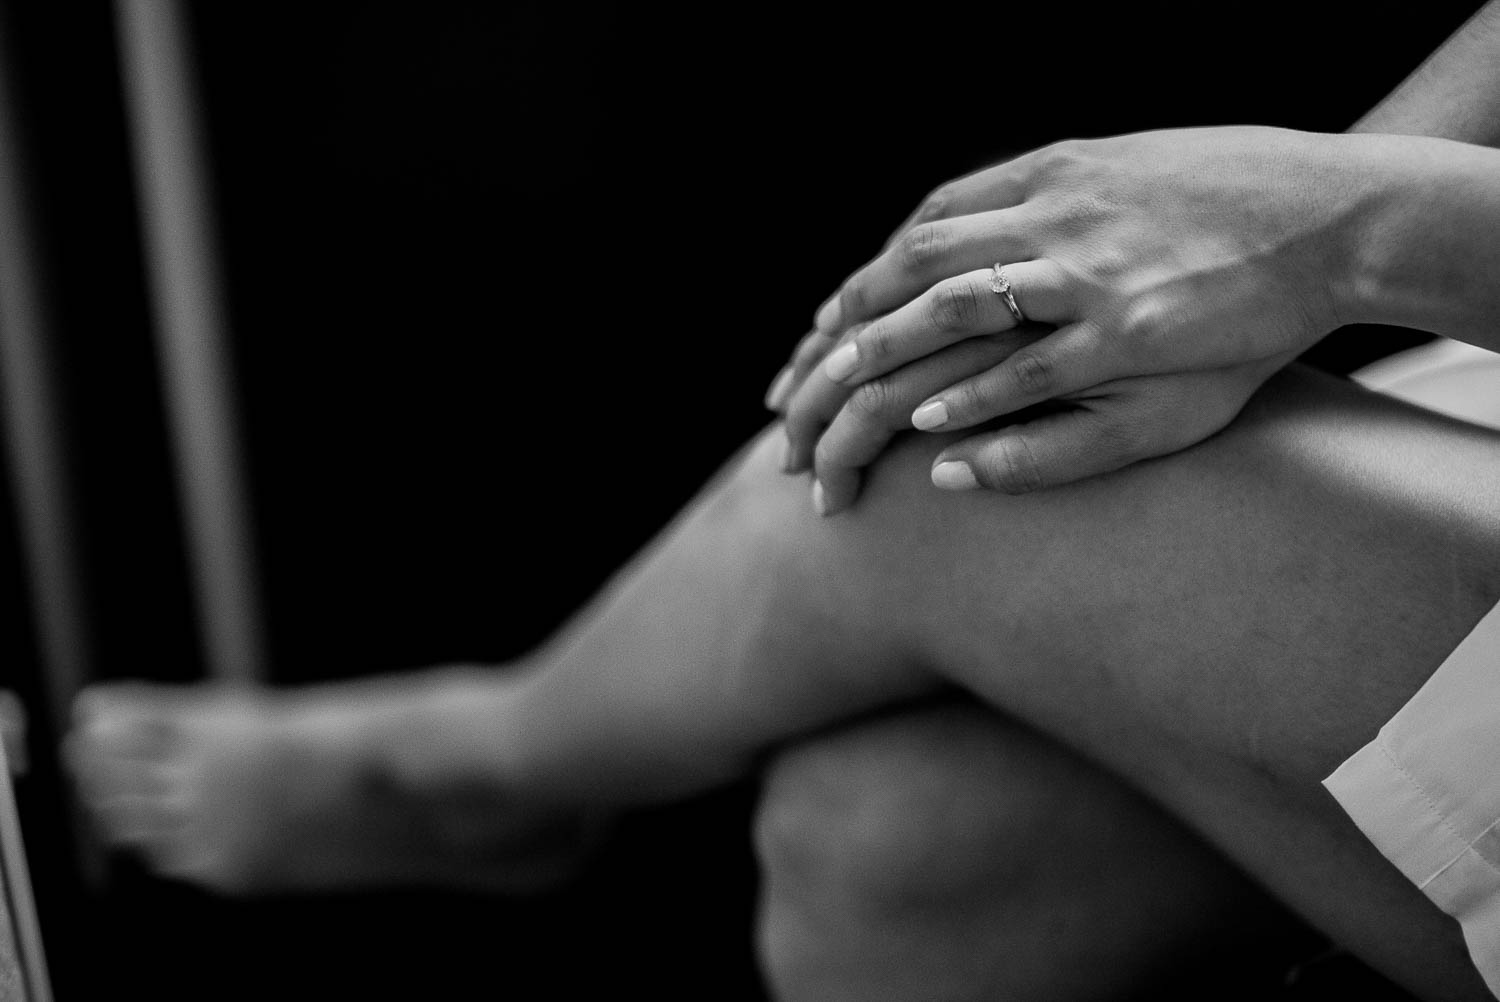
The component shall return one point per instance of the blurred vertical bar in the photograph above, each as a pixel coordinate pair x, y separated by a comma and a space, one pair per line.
15, 883
34, 437
191, 321
35, 432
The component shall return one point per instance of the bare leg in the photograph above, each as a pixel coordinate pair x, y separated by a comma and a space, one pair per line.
947, 853
260, 792
1220, 628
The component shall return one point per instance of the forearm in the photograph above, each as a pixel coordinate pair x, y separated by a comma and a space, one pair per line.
1454, 94
1424, 251
1429, 257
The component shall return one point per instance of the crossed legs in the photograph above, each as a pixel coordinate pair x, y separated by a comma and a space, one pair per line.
1217, 629
946, 852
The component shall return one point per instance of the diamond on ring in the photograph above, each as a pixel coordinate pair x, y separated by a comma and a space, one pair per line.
1000, 286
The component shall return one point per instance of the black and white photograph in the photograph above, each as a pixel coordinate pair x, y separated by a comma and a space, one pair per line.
749, 503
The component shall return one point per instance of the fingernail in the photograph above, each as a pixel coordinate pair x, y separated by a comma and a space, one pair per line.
781, 388
842, 363
786, 456
820, 499
829, 316
933, 414
953, 476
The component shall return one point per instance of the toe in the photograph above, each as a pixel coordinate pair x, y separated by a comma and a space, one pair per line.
133, 720
138, 820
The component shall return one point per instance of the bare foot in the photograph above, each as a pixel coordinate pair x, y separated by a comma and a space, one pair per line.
249, 792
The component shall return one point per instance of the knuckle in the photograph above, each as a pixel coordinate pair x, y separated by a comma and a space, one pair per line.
1077, 171
1034, 373
921, 248
1136, 321
937, 205
852, 298
1061, 158
966, 401
1144, 327
1124, 441
1013, 468
1082, 212
956, 306
874, 344
1052, 160
1107, 263
872, 402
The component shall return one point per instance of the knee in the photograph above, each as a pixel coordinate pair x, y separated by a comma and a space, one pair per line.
901, 814
881, 844
827, 831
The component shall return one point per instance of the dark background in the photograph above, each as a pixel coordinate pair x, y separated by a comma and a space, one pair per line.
508, 283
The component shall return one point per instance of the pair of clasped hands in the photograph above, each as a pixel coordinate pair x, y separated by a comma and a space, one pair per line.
1162, 276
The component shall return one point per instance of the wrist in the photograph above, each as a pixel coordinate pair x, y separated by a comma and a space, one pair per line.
1360, 198
1323, 195
1410, 256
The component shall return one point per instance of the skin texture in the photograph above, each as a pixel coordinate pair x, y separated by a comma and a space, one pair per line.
1210, 652
947, 852
267, 792
1420, 277
1218, 629
1199, 698
1171, 266
1170, 273
866, 933
1454, 94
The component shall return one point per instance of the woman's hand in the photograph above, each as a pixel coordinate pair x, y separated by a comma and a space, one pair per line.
851, 429
1177, 270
